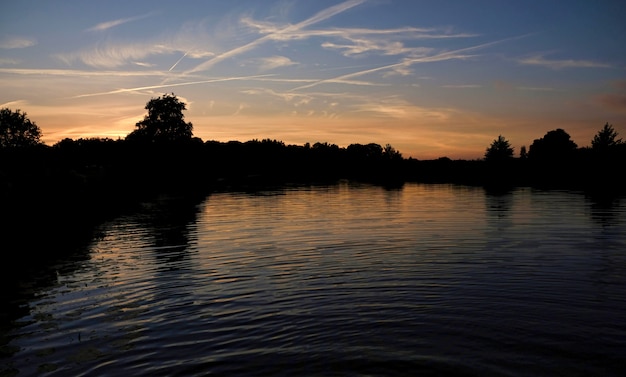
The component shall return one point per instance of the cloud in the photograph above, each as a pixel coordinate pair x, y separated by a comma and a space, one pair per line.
400, 70
275, 34
111, 24
273, 62
287, 97
385, 41
144, 64
362, 46
142, 88
111, 55
11, 42
357, 41
240, 108
80, 73
407, 62
397, 108
539, 60
8, 61
191, 41
14, 104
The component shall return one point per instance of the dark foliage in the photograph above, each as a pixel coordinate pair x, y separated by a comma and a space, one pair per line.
165, 122
605, 140
16, 130
555, 146
499, 150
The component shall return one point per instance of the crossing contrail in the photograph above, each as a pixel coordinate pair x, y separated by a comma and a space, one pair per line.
126, 90
178, 61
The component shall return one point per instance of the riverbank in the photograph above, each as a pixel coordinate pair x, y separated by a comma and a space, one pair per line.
57, 195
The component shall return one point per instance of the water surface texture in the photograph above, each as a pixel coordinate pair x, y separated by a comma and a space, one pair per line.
350, 280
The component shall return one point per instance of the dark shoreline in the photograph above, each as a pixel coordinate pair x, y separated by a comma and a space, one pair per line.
59, 195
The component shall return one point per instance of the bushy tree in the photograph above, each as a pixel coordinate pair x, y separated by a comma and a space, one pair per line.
371, 151
555, 145
605, 138
165, 122
499, 150
391, 153
16, 130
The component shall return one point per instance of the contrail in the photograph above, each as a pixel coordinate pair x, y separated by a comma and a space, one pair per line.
321, 16
178, 61
439, 57
126, 90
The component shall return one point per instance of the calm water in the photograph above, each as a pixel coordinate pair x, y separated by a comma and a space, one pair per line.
348, 280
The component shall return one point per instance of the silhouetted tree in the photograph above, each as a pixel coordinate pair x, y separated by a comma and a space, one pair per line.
16, 130
367, 152
499, 150
390, 153
164, 122
554, 146
522, 153
605, 138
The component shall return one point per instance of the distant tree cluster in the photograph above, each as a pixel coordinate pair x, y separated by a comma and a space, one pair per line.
162, 149
556, 160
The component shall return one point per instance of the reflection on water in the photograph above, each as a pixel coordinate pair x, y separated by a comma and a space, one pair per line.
342, 280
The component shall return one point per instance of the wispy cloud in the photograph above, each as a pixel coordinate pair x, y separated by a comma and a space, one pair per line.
8, 61
14, 104
142, 88
111, 24
273, 62
458, 54
540, 60
10, 42
296, 99
277, 33
80, 73
385, 41
399, 108
191, 41
113, 55
357, 41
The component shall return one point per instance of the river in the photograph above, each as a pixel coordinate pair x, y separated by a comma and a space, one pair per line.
346, 280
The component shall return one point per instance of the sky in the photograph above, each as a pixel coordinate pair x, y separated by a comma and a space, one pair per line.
432, 78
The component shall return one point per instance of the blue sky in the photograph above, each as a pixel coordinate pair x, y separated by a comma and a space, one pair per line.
432, 78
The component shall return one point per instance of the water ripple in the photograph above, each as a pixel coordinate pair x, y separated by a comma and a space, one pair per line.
342, 280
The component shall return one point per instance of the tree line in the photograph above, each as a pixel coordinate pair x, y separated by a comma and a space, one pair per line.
88, 180
162, 153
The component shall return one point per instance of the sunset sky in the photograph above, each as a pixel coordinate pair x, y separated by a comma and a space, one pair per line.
432, 78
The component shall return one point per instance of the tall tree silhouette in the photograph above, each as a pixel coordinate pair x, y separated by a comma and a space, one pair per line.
499, 150
16, 130
165, 122
605, 138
